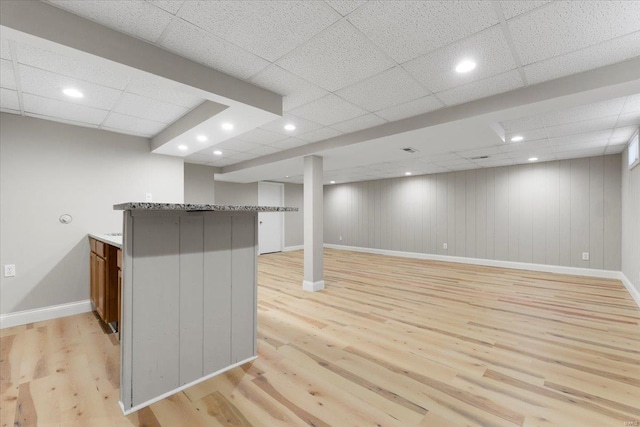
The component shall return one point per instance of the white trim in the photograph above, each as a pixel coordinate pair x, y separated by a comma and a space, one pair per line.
293, 248
45, 313
559, 269
635, 293
313, 286
183, 387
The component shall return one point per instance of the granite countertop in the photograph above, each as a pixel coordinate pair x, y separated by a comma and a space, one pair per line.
113, 239
143, 206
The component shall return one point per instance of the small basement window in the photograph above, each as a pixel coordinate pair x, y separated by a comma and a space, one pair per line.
634, 151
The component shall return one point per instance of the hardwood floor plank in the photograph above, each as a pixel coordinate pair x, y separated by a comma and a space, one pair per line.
389, 342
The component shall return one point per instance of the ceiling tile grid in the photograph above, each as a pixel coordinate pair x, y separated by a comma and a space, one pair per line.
566, 26
296, 90
132, 125
5, 49
483, 88
56, 109
147, 108
411, 108
329, 110
9, 101
488, 49
359, 123
7, 77
268, 29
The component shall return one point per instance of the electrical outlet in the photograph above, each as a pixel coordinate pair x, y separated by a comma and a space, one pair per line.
9, 270
444, 246
149, 198
341, 238
585, 256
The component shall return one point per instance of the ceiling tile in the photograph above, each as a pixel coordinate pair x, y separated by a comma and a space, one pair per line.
338, 57
497, 163
345, 7
236, 145
261, 136
622, 135
202, 156
512, 8
244, 156
171, 6
615, 149
515, 147
581, 153
269, 29
329, 110
487, 151
196, 44
407, 29
224, 162
442, 157
7, 78
50, 85
562, 27
302, 125
265, 150
296, 90
391, 87
165, 91
410, 109
289, 143
150, 109
54, 62
600, 135
9, 100
359, 123
320, 134
606, 53
582, 127
632, 104
527, 135
629, 119
454, 162
563, 148
5, 50
133, 125
481, 89
488, 49
522, 124
137, 18
63, 110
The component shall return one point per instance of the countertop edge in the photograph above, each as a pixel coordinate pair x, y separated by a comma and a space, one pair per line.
144, 206
110, 240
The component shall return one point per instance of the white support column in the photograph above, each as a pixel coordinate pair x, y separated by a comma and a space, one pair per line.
313, 221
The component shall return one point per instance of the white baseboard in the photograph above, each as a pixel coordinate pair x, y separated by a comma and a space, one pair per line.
45, 313
293, 248
313, 286
577, 271
635, 294
183, 387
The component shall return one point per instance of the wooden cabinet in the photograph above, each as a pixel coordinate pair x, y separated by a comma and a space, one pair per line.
105, 280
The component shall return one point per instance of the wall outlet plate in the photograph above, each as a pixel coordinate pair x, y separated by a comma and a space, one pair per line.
149, 198
444, 246
9, 270
585, 256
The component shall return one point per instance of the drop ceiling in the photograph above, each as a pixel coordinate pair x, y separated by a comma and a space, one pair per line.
345, 66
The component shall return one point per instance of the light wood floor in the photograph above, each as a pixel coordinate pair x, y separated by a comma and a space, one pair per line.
390, 342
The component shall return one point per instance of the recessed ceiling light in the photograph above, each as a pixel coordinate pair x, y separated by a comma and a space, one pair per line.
201, 138
182, 147
517, 138
333, 182
73, 93
407, 173
227, 126
533, 159
218, 153
465, 66
290, 126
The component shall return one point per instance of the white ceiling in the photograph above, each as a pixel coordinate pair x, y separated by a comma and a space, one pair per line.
32, 80
343, 66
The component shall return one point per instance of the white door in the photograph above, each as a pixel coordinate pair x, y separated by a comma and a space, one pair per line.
270, 224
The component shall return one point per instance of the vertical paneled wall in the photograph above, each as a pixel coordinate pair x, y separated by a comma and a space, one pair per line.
631, 222
543, 213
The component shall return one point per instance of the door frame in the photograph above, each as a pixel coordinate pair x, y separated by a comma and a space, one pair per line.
281, 185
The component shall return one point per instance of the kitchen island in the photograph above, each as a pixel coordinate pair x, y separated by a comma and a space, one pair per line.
189, 304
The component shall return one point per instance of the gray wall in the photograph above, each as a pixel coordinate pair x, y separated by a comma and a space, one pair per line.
48, 169
199, 183
631, 222
294, 221
231, 193
545, 213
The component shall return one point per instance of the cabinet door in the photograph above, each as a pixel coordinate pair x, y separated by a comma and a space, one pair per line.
93, 279
101, 276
